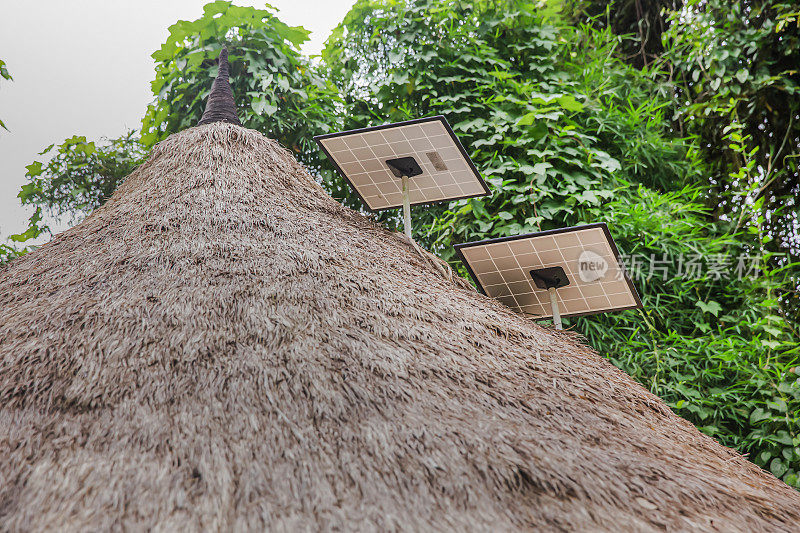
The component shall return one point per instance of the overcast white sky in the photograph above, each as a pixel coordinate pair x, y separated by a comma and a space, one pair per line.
83, 67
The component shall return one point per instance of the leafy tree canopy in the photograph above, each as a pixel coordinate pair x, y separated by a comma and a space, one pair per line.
278, 91
728, 65
79, 176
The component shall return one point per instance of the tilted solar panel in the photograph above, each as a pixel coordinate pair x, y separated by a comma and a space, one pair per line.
515, 270
361, 156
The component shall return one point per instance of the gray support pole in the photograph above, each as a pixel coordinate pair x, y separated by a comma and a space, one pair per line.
554, 306
406, 208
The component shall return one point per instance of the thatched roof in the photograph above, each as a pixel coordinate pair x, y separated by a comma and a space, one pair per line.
222, 346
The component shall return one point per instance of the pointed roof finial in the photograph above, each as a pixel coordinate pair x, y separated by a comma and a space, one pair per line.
220, 106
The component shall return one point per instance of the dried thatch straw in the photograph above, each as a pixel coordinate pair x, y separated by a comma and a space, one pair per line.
222, 346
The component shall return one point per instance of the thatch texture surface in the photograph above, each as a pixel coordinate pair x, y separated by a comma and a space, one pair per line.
222, 346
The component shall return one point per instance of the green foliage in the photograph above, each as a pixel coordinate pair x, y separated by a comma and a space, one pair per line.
277, 91
641, 23
726, 365
7, 253
737, 63
4, 71
732, 67
4, 74
566, 133
728, 64
79, 176
534, 102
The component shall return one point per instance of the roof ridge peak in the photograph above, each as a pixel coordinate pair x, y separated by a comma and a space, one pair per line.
220, 106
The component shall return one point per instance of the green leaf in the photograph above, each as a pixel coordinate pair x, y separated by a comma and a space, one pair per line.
263, 107
4, 71
777, 467
538, 130
711, 307
480, 209
538, 169
778, 405
34, 169
758, 414
742, 75
527, 119
296, 35
782, 437
282, 82
587, 197
467, 125
569, 103
484, 226
31, 233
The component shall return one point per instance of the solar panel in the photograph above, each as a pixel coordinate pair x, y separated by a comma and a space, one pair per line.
581, 264
425, 150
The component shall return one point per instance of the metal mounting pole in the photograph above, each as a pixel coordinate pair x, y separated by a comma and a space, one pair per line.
554, 306
406, 209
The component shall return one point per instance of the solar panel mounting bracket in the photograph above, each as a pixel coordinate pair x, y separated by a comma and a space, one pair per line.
554, 307
550, 277
406, 208
404, 166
